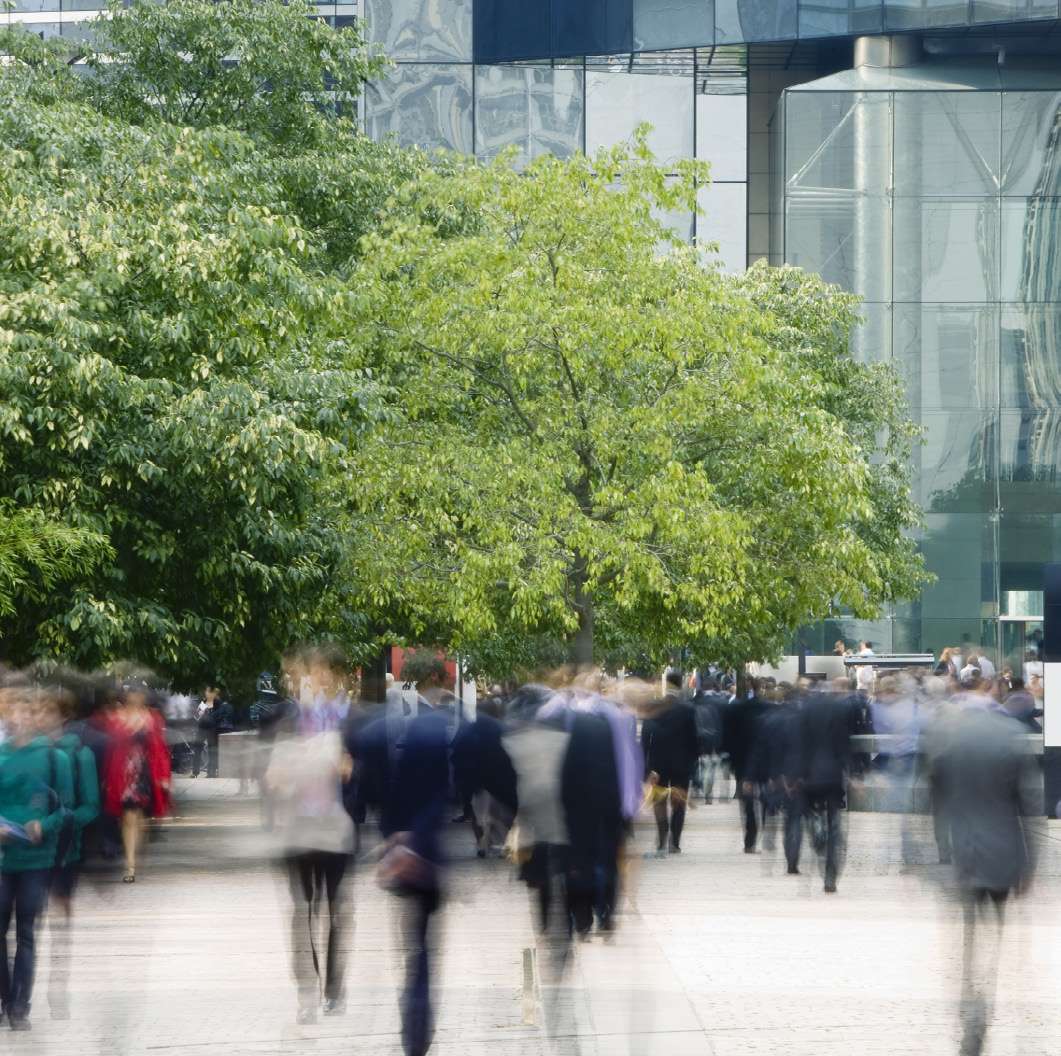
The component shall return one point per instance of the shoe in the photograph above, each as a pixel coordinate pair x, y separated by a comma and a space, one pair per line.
306, 1015
674, 848
19, 1021
461, 817
793, 871
750, 850
830, 887
130, 877
334, 1006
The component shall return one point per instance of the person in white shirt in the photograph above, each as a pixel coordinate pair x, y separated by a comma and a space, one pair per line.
987, 669
864, 675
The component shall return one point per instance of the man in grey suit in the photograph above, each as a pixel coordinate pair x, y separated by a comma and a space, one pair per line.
989, 777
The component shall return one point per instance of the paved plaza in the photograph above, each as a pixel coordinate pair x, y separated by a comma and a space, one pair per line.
717, 952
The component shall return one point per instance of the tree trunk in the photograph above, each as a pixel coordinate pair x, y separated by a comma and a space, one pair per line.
374, 678
583, 651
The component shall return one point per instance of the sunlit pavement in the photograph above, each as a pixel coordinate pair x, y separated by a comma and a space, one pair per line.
719, 952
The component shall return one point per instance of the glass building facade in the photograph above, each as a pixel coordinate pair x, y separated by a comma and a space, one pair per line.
928, 184
933, 190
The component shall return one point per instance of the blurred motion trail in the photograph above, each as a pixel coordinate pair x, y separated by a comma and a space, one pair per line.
720, 952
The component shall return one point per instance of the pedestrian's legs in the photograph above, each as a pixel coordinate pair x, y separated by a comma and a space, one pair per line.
304, 960
8, 887
983, 912
751, 825
417, 1023
132, 825
793, 830
31, 891
334, 870
659, 808
678, 796
834, 838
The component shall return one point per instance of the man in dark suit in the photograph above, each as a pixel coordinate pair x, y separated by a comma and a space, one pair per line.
671, 746
989, 779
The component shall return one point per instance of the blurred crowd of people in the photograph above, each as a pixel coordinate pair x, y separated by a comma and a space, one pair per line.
552, 775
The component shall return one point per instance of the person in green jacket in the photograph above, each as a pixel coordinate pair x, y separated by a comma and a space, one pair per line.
34, 785
53, 708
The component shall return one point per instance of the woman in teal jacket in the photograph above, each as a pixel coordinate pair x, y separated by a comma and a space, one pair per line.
34, 785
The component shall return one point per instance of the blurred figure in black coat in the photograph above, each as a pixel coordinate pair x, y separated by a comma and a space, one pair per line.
669, 741
742, 728
990, 783
828, 721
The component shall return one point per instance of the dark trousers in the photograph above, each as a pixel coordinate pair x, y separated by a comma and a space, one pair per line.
24, 893
984, 914
316, 876
750, 804
677, 797
417, 1020
795, 807
829, 838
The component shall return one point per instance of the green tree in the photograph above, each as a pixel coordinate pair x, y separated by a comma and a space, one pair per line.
601, 440
174, 330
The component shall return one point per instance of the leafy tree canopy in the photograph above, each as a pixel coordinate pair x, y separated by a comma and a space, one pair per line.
174, 391
608, 444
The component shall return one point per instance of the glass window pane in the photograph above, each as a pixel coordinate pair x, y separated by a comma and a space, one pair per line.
826, 18
737, 20
954, 468
1030, 453
617, 102
1006, 10
872, 341
673, 24
946, 250
948, 355
424, 30
724, 221
537, 109
1031, 143
843, 238
722, 135
839, 139
427, 106
1031, 366
1031, 270
961, 549
915, 14
947, 143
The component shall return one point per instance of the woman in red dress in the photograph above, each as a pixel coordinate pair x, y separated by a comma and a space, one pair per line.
136, 770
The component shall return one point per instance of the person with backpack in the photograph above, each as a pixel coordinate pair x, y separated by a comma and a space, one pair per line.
83, 806
34, 786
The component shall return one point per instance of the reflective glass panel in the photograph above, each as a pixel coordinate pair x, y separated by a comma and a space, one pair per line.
915, 14
1031, 143
1031, 270
842, 237
427, 106
1030, 453
961, 549
947, 143
1004, 10
424, 30
737, 20
673, 23
946, 250
724, 222
35, 5
872, 341
722, 135
617, 102
839, 139
1031, 365
536, 109
949, 355
821, 18
955, 465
